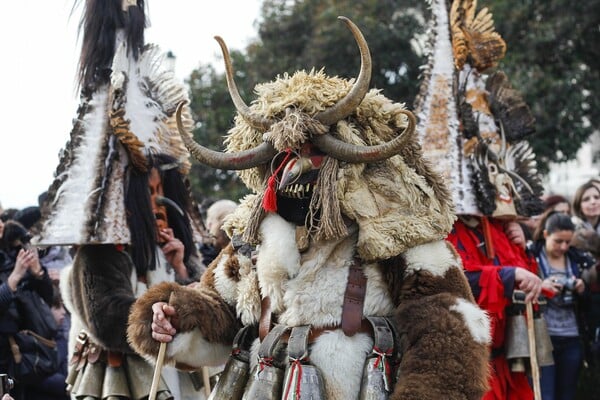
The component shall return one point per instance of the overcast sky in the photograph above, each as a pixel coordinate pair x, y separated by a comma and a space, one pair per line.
37, 76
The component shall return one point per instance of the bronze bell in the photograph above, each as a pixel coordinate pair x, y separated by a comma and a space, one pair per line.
302, 380
232, 381
377, 377
265, 383
516, 343
266, 380
543, 344
310, 386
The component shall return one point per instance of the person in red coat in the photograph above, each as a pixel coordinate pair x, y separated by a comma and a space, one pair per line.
493, 278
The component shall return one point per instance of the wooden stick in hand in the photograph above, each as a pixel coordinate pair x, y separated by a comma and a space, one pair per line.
160, 359
535, 371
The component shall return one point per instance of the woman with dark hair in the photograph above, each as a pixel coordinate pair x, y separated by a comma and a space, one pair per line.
560, 266
21, 275
557, 202
586, 216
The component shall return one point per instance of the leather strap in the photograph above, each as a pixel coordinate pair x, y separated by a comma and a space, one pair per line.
298, 343
239, 349
352, 308
383, 336
354, 297
264, 324
315, 333
268, 344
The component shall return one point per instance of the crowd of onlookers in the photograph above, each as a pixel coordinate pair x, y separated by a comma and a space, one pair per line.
24, 267
564, 239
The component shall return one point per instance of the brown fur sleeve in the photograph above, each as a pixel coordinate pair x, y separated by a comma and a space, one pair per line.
440, 360
197, 308
444, 335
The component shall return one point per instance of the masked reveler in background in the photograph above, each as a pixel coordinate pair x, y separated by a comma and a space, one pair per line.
473, 125
120, 198
337, 275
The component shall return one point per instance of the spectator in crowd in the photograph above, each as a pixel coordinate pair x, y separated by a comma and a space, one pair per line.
54, 387
557, 202
28, 216
560, 266
553, 202
586, 216
20, 271
8, 213
218, 239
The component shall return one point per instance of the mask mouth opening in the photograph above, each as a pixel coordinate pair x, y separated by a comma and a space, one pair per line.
298, 191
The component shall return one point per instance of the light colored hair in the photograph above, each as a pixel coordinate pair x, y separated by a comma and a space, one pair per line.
217, 212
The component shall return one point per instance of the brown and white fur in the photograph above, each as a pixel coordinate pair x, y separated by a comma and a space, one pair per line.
445, 335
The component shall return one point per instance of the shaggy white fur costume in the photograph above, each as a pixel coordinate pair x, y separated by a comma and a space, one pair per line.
308, 288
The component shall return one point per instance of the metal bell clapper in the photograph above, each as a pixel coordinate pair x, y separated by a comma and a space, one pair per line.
232, 381
377, 375
516, 341
302, 381
266, 379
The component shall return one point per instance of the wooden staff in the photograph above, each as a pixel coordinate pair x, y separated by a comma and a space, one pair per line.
160, 359
535, 371
206, 380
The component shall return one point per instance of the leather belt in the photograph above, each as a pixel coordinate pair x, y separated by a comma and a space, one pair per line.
354, 299
352, 307
315, 333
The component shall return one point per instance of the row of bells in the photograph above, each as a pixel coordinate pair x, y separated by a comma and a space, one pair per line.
272, 383
517, 343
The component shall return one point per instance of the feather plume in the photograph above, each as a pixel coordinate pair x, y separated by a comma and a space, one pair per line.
509, 107
473, 36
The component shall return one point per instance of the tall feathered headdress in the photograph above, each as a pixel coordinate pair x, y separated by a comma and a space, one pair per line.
128, 101
472, 123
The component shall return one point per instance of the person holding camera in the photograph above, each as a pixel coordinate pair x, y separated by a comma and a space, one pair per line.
561, 266
21, 276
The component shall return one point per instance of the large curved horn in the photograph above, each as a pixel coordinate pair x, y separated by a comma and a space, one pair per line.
255, 121
365, 154
348, 104
228, 161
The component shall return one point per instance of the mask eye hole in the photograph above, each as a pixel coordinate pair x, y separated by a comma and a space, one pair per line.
279, 159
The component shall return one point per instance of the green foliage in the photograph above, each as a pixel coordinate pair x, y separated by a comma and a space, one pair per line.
213, 113
552, 58
296, 35
301, 35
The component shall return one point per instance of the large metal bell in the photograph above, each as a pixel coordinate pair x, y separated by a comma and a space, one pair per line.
517, 343
543, 344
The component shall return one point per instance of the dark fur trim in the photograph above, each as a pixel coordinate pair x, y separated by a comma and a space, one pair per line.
393, 270
139, 329
232, 265
102, 294
441, 360
204, 309
200, 308
423, 283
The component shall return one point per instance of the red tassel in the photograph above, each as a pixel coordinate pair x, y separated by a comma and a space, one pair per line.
270, 200
487, 237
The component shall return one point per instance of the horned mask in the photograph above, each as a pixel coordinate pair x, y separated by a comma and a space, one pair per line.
345, 153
